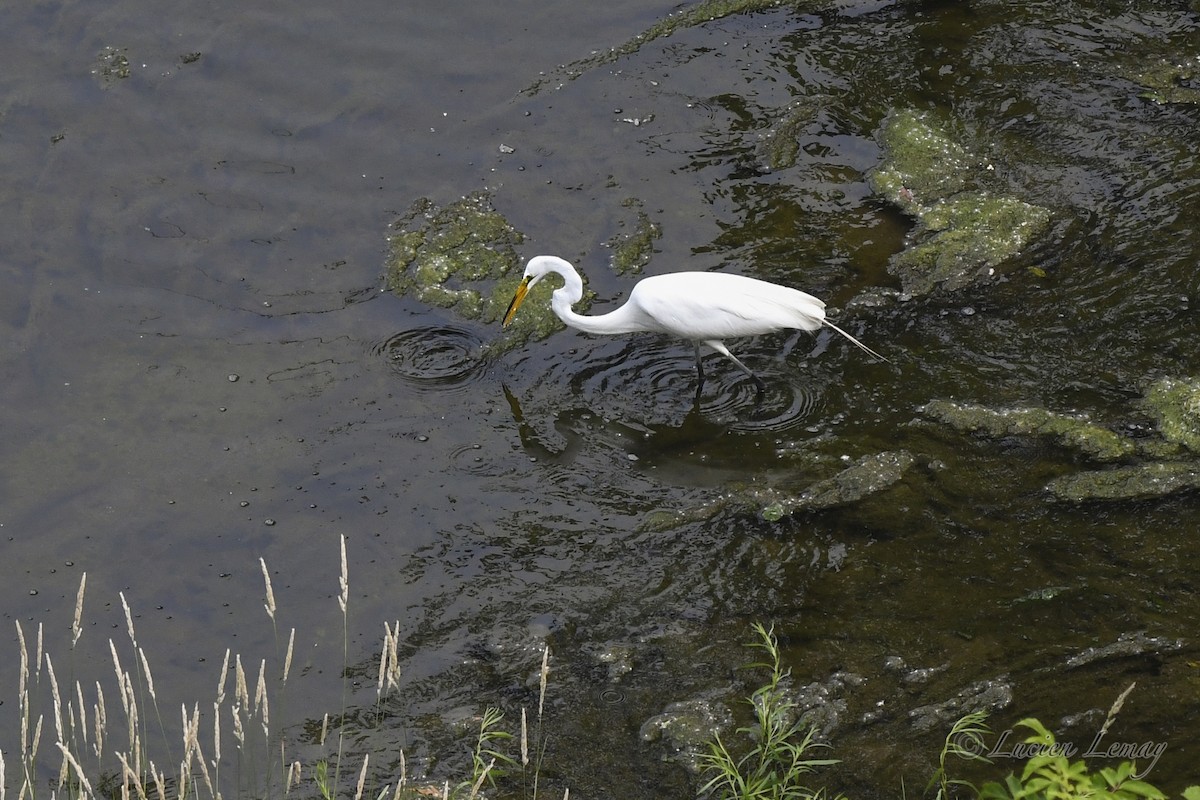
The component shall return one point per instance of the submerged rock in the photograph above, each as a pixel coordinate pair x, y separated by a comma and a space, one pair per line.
1076, 432
964, 231
822, 705
867, 476
688, 17
686, 728
1128, 645
1168, 81
1175, 405
990, 695
1141, 482
1175, 402
780, 146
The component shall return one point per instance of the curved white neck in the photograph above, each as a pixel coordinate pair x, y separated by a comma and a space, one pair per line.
621, 320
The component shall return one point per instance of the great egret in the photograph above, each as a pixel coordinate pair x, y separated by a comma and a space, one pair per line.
702, 307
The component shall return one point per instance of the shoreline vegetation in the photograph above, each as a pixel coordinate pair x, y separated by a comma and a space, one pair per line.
116, 743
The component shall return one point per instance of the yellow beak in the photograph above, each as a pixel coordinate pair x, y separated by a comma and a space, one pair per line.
518, 298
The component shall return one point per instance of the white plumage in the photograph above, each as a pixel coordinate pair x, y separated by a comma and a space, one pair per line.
702, 307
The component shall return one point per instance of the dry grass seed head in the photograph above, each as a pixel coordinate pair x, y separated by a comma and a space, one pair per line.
101, 719
270, 603
76, 625
344, 581
544, 678
223, 679
287, 659
149, 676
362, 777
83, 781
524, 739
83, 727
128, 620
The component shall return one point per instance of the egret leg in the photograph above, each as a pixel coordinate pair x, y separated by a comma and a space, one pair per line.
723, 350
699, 373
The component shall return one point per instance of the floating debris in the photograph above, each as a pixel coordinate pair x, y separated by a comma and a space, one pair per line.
111, 65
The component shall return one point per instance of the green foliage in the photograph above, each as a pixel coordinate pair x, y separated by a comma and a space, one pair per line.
485, 756
321, 779
965, 741
1051, 775
776, 761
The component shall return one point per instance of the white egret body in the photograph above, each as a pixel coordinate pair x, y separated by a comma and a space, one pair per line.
702, 307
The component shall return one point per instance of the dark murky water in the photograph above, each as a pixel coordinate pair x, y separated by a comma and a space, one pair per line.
174, 221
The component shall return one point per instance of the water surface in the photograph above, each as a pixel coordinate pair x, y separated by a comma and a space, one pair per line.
200, 366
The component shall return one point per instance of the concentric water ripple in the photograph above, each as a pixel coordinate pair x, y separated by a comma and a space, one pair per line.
654, 380
434, 357
785, 403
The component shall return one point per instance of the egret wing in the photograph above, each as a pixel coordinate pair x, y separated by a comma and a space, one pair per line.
714, 305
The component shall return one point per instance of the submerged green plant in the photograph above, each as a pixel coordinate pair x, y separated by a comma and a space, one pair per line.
777, 759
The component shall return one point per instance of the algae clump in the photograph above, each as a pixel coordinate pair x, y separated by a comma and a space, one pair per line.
463, 257
1079, 432
970, 235
922, 161
631, 251
963, 232
450, 256
1140, 482
1175, 405
1167, 81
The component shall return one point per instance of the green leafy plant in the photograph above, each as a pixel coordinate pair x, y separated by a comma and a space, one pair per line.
485, 756
1049, 772
965, 741
1051, 775
777, 760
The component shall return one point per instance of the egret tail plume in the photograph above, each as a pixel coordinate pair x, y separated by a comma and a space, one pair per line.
860, 345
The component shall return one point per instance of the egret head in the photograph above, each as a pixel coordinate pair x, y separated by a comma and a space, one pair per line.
537, 268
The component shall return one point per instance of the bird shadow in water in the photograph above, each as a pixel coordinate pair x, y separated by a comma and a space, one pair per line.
646, 442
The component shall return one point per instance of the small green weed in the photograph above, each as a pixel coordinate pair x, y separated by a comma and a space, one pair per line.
777, 760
